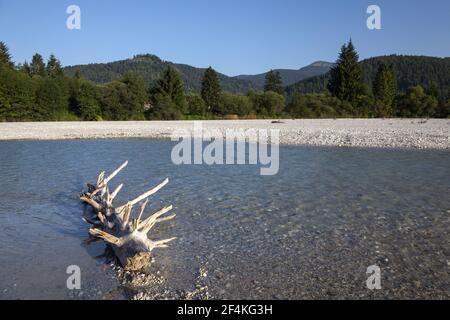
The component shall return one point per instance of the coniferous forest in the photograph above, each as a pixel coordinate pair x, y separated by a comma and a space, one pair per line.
392, 86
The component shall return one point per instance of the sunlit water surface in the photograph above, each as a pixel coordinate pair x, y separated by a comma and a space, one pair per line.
310, 231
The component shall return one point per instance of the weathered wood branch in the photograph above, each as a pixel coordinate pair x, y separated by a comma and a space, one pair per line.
126, 235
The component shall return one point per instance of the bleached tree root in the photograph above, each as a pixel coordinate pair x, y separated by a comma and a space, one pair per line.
127, 236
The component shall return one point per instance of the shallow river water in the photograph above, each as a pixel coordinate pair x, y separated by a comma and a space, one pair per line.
311, 231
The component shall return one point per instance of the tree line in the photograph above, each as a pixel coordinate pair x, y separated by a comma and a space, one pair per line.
41, 91
345, 92
419, 87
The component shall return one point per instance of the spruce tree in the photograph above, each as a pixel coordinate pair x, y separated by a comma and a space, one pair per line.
346, 76
274, 82
211, 89
384, 86
137, 95
5, 56
87, 106
26, 68
169, 91
37, 66
54, 68
5, 99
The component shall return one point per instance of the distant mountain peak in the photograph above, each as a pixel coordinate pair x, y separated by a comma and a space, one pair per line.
321, 64
290, 76
150, 67
147, 57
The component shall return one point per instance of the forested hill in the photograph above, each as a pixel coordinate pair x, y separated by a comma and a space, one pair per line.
409, 71
290, 76
150, 67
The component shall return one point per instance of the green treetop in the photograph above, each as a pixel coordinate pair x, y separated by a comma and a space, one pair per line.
274, 82
384, 86
54, 68
5, 56
37, 66
346, 77
211, 89
170, 87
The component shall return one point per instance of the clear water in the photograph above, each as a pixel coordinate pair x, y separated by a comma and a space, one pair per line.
311, 231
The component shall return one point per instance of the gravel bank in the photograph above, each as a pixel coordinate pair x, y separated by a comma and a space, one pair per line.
390, 133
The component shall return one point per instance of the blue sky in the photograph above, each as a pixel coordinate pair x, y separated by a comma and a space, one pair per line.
233, 36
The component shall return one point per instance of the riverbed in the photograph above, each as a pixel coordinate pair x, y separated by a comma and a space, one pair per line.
385, 133
310, 231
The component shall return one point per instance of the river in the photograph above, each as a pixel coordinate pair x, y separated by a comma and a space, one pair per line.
310, 231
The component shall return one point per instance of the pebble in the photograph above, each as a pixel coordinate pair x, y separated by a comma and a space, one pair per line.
396, 133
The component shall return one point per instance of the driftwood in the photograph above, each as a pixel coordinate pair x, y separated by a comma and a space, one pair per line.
126, 235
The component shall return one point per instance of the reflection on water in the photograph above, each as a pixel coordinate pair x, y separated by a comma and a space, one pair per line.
311, 231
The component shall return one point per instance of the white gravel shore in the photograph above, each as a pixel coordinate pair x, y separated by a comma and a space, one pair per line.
390, 133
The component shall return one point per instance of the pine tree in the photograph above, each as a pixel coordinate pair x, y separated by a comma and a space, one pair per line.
111, 101
196, 105
54, 68
87, 105
26, 68
274, 82
384, 86
5, 56
346, 77
5, 100
137, 95
211, 89
168, 93
37, 66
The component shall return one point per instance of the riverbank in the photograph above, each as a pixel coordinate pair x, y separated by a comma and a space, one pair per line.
387, 133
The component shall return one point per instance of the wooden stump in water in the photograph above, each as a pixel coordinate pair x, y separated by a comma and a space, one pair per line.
127, 236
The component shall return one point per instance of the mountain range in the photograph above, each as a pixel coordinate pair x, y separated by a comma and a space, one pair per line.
290, 76
150, 67
409, 71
